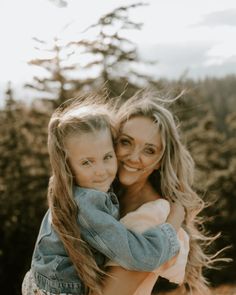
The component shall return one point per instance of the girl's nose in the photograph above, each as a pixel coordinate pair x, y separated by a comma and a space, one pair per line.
100, 170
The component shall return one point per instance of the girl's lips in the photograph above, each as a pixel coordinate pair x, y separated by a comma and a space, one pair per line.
101, 181
130, 169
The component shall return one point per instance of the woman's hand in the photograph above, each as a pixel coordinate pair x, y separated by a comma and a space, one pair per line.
177, 215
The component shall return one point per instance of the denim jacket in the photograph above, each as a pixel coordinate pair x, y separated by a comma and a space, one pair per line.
97, 217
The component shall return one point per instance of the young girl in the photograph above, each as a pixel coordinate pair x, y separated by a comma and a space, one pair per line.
80, 229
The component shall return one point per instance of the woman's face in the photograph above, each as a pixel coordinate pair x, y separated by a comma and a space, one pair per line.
138, 150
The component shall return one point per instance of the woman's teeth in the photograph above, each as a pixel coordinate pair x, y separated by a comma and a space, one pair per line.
130, 169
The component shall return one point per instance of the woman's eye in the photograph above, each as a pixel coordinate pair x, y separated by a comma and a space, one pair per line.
149, 151
124, 142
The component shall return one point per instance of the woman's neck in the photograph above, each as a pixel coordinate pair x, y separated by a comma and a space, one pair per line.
136, 195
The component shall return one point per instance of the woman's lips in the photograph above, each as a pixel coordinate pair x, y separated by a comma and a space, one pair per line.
130, 169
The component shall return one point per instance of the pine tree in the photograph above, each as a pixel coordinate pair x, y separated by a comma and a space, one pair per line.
112, 56
24, 172
56, 86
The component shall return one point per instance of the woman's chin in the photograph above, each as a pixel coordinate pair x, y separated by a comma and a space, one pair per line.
127, 179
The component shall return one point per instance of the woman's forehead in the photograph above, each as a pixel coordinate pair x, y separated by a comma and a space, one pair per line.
142, 129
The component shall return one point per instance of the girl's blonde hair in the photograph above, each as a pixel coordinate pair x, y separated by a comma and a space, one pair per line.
72, 119
174, 181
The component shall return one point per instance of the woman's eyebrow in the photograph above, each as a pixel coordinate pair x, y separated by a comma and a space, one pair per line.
151, 144
130, 137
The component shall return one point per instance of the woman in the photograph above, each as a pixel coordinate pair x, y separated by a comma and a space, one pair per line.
154, 164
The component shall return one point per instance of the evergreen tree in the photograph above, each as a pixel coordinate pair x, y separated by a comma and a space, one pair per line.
111, 55
24, 173
56, 86
214, 152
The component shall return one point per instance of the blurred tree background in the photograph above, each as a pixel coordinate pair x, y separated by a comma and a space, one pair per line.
206, 112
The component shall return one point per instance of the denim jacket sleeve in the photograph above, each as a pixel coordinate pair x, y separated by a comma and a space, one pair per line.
134, 251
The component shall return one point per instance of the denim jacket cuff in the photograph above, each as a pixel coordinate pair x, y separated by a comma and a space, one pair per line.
172, 236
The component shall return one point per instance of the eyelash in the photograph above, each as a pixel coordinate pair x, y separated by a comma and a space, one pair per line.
124, 141
108, 157
149, 151
86, 163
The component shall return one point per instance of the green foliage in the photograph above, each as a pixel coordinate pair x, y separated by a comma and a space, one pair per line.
23, 182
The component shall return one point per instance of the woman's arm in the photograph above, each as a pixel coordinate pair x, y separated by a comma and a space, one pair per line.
122, 281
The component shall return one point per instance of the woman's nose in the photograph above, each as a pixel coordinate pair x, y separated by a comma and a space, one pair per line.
134, 155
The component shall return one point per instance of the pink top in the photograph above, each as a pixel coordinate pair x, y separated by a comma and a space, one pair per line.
148, 215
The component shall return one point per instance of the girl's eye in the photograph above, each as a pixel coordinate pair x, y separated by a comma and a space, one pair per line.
108, 157
86, 163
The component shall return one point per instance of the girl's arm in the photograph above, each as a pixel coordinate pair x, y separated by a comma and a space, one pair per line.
134, 251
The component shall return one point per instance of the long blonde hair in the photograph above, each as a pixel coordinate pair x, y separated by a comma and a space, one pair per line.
72, 119
174, 181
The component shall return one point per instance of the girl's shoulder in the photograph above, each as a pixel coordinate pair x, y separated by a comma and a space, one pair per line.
81, 192
93, 199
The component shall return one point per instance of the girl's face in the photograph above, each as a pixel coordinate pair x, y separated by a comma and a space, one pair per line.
138, 150
92, 159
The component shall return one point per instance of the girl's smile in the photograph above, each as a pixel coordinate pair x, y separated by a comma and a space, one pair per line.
92, 167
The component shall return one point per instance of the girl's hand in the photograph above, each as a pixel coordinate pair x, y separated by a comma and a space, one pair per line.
177, 215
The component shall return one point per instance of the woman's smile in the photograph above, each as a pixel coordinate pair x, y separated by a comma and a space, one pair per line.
129, 168
138, 150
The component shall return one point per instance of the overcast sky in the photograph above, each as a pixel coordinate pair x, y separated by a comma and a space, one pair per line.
194, 35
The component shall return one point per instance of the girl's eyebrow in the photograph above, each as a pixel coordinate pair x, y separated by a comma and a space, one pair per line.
92, 158
110, 152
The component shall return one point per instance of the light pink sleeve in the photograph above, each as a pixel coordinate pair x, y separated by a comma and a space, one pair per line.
149, 215
174, 269
146, 216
